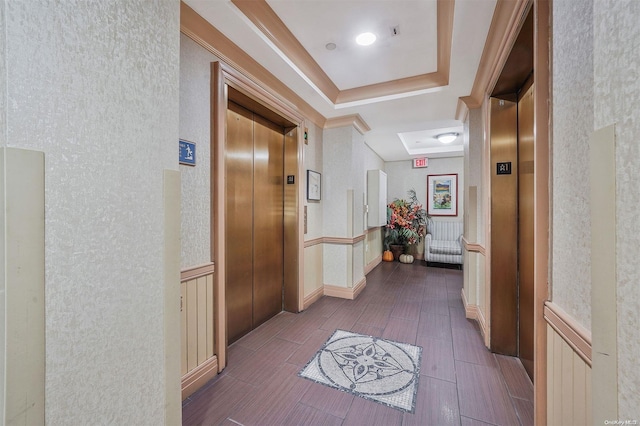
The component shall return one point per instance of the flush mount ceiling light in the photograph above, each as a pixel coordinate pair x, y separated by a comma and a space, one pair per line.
447, 137
365, 39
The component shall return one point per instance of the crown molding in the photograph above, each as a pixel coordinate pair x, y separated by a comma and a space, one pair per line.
206, 35
462, 110
505, 25
354, 120
272, 27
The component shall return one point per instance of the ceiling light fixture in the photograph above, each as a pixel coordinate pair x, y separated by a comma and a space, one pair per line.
330, 46
365, 39
447, 137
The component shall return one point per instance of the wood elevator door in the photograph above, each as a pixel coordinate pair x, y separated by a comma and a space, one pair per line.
254, 220
512, 232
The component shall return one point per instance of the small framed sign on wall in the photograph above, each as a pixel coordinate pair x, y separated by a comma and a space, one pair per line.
314, 183
187, 154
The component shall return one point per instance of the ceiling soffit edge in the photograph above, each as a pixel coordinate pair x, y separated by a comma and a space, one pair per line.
507, 19
462, 111
202, 32
354, 120
272, 27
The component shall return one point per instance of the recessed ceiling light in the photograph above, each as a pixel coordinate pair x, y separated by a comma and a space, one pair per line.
365, 39
447, 137
330, 46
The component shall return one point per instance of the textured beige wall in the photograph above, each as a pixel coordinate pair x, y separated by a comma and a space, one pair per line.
95, 87
195, 126
596, 84
3, 77
312, 269
313, 161
616, 64
572, 127
343, 198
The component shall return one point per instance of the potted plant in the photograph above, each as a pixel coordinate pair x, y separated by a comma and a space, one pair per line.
406, 224
420, 221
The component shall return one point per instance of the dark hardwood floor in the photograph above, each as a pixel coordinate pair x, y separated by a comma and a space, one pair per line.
461, 382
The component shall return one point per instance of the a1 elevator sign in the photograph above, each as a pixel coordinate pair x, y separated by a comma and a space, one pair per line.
503, 168
419, 162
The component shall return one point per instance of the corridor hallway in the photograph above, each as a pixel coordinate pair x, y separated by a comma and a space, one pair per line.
461, 382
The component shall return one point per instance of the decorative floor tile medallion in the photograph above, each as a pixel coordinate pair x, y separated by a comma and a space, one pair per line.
380, 370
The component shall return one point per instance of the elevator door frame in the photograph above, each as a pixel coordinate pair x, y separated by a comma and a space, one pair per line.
511, 16
224, 77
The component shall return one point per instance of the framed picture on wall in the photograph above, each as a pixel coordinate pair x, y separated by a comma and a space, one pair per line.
313, 185
442, 195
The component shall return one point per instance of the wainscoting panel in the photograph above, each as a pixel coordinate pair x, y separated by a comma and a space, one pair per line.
568, 383
22, 287
199, 362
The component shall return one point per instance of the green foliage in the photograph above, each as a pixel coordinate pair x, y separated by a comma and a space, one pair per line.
406, 221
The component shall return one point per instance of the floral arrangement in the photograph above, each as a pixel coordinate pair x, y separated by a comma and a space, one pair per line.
406, 221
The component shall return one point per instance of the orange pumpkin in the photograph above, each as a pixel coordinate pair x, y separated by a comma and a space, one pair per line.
387, 256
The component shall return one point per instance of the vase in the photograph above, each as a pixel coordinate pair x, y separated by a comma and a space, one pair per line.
417, 249
397, 250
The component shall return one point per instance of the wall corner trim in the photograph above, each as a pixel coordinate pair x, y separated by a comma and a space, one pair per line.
576, 336
474, 247
171, 315
474, 312
354, 120
197, 271
22, 286
345, 292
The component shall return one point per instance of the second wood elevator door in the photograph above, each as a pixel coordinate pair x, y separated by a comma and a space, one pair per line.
254, 220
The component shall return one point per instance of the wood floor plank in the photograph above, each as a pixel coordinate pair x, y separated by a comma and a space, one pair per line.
333, 401
258, 337
466, 421
454, 299
326, 306
410, 293
459, 320
272, 404
365, 412
515, 376
409, 310
298, 331
343, 319
307, 350
435, 291
237, 354
437, 404
367, 330
434, 326
483, 395
437, 359
524, 410
376, 315
259, 368
305, 415
401, 330
468, 346
216, 403
435, 306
